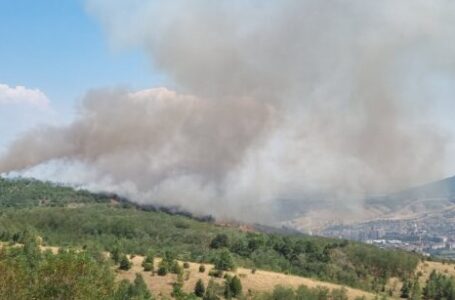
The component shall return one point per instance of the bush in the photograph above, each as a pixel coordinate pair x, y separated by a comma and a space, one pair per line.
281, 292
147, 267
219, 241
162, 271
186, 265
125, 263
149, 258
339, 294
202, 268
216, 273
176, 268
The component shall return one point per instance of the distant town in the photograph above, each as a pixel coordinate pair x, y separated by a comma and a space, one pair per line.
429, 235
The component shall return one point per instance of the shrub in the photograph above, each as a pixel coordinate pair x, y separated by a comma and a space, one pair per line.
186, 265
219, 241
176, 268
162, 271
147, 267
125, 263
202, 268
339, 294
149, 258
216, 273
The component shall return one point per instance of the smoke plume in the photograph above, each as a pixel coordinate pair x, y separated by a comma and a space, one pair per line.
272, 100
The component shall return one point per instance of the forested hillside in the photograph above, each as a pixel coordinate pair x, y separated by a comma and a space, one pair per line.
64, 217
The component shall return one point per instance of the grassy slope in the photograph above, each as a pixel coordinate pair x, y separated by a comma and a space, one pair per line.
260, 281
65, 217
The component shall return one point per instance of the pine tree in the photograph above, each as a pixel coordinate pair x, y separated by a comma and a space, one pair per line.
139, 289
212, 291
235, 286
405, 290
115, 255
199, 289
416, 292
147, 263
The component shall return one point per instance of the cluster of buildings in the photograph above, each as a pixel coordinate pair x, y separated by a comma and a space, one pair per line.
406, 235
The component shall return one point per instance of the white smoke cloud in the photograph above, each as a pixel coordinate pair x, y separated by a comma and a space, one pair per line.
274, 101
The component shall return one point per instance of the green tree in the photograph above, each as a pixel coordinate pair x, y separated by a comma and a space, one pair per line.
148, 261
416, 291
280, 292
235, 285
139, 290
176, 268
123, 291
339, 294
199, 289
213, 291
224, 261
115, 255
405, 289
219, 241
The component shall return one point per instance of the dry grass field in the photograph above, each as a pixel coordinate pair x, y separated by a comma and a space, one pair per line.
257, 282
423, 270
427, 267
260, 281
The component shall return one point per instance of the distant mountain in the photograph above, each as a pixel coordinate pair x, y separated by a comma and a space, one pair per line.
428, 196
428, 202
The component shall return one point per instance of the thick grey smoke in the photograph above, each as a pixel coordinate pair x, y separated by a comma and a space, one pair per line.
275, 100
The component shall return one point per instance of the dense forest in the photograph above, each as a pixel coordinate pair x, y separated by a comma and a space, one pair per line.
66, 217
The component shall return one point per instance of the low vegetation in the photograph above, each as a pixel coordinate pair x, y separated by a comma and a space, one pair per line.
69, 218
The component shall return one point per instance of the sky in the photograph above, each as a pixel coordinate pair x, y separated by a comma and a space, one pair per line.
56, 49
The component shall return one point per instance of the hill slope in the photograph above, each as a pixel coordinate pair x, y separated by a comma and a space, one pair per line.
429, 196
66, 217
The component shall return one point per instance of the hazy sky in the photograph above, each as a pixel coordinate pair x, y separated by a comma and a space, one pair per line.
53, 46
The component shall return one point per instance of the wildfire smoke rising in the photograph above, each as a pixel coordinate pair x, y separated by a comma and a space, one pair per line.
274, 100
